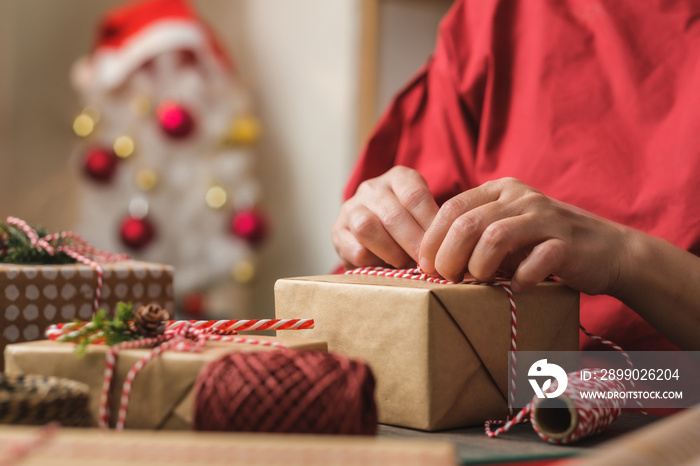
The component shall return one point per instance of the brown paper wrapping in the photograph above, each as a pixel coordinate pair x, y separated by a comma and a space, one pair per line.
161, 396
34, 296
439, 352
83, 447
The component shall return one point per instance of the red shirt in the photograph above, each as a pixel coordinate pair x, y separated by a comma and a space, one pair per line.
593, 102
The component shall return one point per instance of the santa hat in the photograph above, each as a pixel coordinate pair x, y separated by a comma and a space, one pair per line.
131, 34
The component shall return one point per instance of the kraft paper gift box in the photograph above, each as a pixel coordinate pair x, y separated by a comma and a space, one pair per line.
162, 395
75, 447
439, 352
34, 296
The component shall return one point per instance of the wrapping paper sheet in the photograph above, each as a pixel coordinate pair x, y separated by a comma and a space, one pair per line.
75, 447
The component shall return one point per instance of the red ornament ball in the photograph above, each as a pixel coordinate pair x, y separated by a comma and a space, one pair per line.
175, 120
250, 225
100, 164
194, 304
137, 233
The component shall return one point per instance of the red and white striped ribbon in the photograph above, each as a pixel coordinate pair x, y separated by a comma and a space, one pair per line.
64, 332
225, 326
184, 337
75, 247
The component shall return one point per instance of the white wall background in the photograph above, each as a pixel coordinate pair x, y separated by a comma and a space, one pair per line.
407, 31
300, 59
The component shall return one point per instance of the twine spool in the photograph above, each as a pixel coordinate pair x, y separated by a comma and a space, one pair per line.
37, 400
569, 417
554, 418
286, 392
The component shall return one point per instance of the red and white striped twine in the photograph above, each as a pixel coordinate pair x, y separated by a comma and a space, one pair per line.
65, 332
225, 326
185, 336
624, 355
19, 450
76, 247
593, 417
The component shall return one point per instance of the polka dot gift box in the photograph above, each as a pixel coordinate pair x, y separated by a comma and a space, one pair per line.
34, 296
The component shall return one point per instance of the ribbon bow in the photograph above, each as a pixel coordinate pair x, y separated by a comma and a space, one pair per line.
74, 246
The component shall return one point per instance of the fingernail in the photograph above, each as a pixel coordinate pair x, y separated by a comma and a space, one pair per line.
424, 264
515, 286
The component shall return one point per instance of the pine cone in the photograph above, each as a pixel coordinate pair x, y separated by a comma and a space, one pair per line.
150, 320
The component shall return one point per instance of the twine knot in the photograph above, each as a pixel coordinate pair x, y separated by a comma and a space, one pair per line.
72, 245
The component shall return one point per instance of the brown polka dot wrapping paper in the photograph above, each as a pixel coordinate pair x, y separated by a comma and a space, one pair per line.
34, 296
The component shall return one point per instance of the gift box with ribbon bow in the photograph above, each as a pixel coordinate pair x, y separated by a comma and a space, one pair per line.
151, 387
46, 279
439, 351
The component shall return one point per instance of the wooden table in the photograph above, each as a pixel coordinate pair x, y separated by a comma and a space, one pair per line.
519, 444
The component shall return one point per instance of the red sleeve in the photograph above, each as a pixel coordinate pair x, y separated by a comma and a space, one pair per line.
428, 126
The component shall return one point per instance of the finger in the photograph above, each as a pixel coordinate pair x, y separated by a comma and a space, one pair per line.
506, 237
456, 249
413, 193
542, 262
403, 203
351, 252
446, 217
399, 224
370, 232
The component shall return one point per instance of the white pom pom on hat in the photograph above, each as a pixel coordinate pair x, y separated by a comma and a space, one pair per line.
130, 35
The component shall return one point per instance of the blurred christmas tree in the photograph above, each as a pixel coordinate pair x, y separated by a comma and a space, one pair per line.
167, 145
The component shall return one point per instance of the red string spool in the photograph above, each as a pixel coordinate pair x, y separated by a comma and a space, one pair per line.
302, 392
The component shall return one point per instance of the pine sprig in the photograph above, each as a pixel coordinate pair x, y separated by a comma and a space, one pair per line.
113, 331
16, 248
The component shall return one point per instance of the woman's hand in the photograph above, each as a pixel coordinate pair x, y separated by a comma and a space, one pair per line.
507, 226
384, 222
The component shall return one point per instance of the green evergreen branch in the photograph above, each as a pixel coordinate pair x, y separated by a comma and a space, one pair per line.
115, 330
16, 248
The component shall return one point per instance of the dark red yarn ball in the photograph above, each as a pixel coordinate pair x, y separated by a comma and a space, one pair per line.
304, 392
